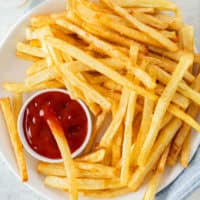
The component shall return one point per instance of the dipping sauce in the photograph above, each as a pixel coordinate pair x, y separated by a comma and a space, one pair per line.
68, 112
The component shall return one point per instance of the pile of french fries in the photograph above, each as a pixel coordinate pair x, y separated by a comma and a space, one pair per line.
133, 59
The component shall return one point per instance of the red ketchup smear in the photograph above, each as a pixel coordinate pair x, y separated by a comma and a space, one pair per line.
69, 113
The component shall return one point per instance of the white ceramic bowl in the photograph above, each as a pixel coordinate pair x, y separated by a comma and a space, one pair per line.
21, 130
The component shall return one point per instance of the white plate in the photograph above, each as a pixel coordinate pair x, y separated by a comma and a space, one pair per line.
13, 69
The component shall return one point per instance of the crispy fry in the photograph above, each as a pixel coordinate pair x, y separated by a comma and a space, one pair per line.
14, 137
127, 141
83, 184
185, 153
161, 4
115, 124
32, 51
17, 104
63, 146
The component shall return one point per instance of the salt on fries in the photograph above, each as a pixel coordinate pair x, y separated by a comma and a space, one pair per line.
125, 58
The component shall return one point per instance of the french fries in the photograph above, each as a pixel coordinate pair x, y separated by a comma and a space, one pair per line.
60, 138
134, 67
14, 137
184, 63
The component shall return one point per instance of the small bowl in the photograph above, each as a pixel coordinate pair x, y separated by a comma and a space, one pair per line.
24, 141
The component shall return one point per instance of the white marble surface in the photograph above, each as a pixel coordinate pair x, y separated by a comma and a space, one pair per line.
10, 187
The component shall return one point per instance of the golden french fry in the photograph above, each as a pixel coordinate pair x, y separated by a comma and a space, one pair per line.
187, 38
153, 186
117, 146
97, 125
185, 153
14, 137
163, 160
160, 4
36, 67
93, 157
115, 124
21, 87
83, 184
127, 141
63, 146
17, 104
32, 51
27, 57
143, 130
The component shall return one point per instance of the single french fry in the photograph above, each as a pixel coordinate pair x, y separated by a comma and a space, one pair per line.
17, 104
143, 10
35, 43
83, 184
32, 51
163, 160
27, 57
160, 5
161, 107
36, 67
153, 186
96, 156
41, 76
97, 125
18, 87
185, 153
150, 20
117, 146
167, 118
14, 137
143, 130
63, 146
40, 21
187, 38
116, 121
127, 141
170, 34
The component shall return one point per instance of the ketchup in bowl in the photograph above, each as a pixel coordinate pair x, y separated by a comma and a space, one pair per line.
71, 115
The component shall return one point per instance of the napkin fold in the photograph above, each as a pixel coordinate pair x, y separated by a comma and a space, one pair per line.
185, 184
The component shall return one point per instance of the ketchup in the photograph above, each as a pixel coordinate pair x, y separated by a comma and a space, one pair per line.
69, 113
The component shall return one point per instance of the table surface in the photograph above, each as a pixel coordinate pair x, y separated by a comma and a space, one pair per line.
11, 188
